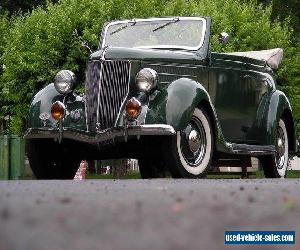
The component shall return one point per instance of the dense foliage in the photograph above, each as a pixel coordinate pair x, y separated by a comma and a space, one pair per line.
48, 38
283, 9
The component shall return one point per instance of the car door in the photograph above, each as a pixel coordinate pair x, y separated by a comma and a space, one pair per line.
235, 95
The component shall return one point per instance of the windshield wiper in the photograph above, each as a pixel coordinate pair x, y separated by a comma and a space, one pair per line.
133, 21
174, 20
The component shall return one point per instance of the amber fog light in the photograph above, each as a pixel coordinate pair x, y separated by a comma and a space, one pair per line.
58, 110
133, 108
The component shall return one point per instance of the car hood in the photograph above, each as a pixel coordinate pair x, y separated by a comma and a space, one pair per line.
149, 55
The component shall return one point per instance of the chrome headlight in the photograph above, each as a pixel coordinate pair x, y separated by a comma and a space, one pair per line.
64, 81
146, 79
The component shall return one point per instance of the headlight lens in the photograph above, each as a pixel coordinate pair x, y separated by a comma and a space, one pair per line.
146, 79
64, 81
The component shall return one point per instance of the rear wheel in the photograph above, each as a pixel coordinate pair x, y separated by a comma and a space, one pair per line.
189, 154
276, 166
49, 160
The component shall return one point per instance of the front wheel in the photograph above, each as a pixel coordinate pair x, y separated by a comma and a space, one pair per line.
276, 166
152, 167
189, 154
49, 160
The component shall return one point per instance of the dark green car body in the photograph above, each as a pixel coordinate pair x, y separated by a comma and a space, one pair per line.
238, 93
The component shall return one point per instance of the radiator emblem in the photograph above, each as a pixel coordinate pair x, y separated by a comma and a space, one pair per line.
44, 117
75, 114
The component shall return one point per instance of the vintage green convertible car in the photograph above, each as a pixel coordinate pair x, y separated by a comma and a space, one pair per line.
155, 92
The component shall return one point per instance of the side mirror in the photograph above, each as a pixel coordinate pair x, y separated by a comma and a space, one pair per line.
223, 38
86, 46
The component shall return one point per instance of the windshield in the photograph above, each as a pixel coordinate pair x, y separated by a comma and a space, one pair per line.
178, 33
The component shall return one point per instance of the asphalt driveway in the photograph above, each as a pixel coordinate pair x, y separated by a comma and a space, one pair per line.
143, 214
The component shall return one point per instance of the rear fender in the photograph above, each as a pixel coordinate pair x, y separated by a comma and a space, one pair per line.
280, 108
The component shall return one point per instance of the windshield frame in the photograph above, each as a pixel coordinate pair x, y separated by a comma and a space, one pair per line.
129, 21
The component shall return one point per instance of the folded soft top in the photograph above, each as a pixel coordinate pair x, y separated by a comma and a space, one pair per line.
273, 57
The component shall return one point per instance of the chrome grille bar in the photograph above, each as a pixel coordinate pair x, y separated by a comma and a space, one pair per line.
91, 93
107, 86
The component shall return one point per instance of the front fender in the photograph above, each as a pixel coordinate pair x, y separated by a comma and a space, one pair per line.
175, 104
40, 110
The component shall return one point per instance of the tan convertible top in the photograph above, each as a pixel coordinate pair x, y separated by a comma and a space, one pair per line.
273, 57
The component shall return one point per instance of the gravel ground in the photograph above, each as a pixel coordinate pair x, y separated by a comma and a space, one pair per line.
143, 214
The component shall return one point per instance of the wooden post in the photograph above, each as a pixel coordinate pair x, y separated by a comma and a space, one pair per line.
92, 167
119, 168
246, 162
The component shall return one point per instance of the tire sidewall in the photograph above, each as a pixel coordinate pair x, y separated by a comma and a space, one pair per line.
283, 171
269, 162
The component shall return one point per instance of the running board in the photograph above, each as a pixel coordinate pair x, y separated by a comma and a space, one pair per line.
253, 150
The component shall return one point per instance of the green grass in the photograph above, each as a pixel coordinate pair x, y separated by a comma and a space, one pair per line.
131, 175
293, 174
258, 175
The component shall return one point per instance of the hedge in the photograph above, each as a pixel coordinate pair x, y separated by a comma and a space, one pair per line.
48, 39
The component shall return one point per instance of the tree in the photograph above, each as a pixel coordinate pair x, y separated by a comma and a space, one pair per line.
4, 31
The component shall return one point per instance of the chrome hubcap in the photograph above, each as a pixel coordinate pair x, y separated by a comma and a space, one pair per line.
193, 142
280, 156
280, 146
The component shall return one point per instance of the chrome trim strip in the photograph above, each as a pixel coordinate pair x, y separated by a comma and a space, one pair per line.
245, 149
176, 65
229, 61
169, 74
162, 19
241, 62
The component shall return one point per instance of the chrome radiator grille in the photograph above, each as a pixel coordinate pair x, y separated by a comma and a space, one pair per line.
106, 87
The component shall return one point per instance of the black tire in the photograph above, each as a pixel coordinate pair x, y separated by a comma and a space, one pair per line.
49, 160
152, 167
189, 153
276, 166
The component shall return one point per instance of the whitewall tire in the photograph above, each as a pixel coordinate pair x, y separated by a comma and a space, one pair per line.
192, 148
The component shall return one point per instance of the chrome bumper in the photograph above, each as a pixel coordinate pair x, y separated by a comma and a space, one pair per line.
102, 136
